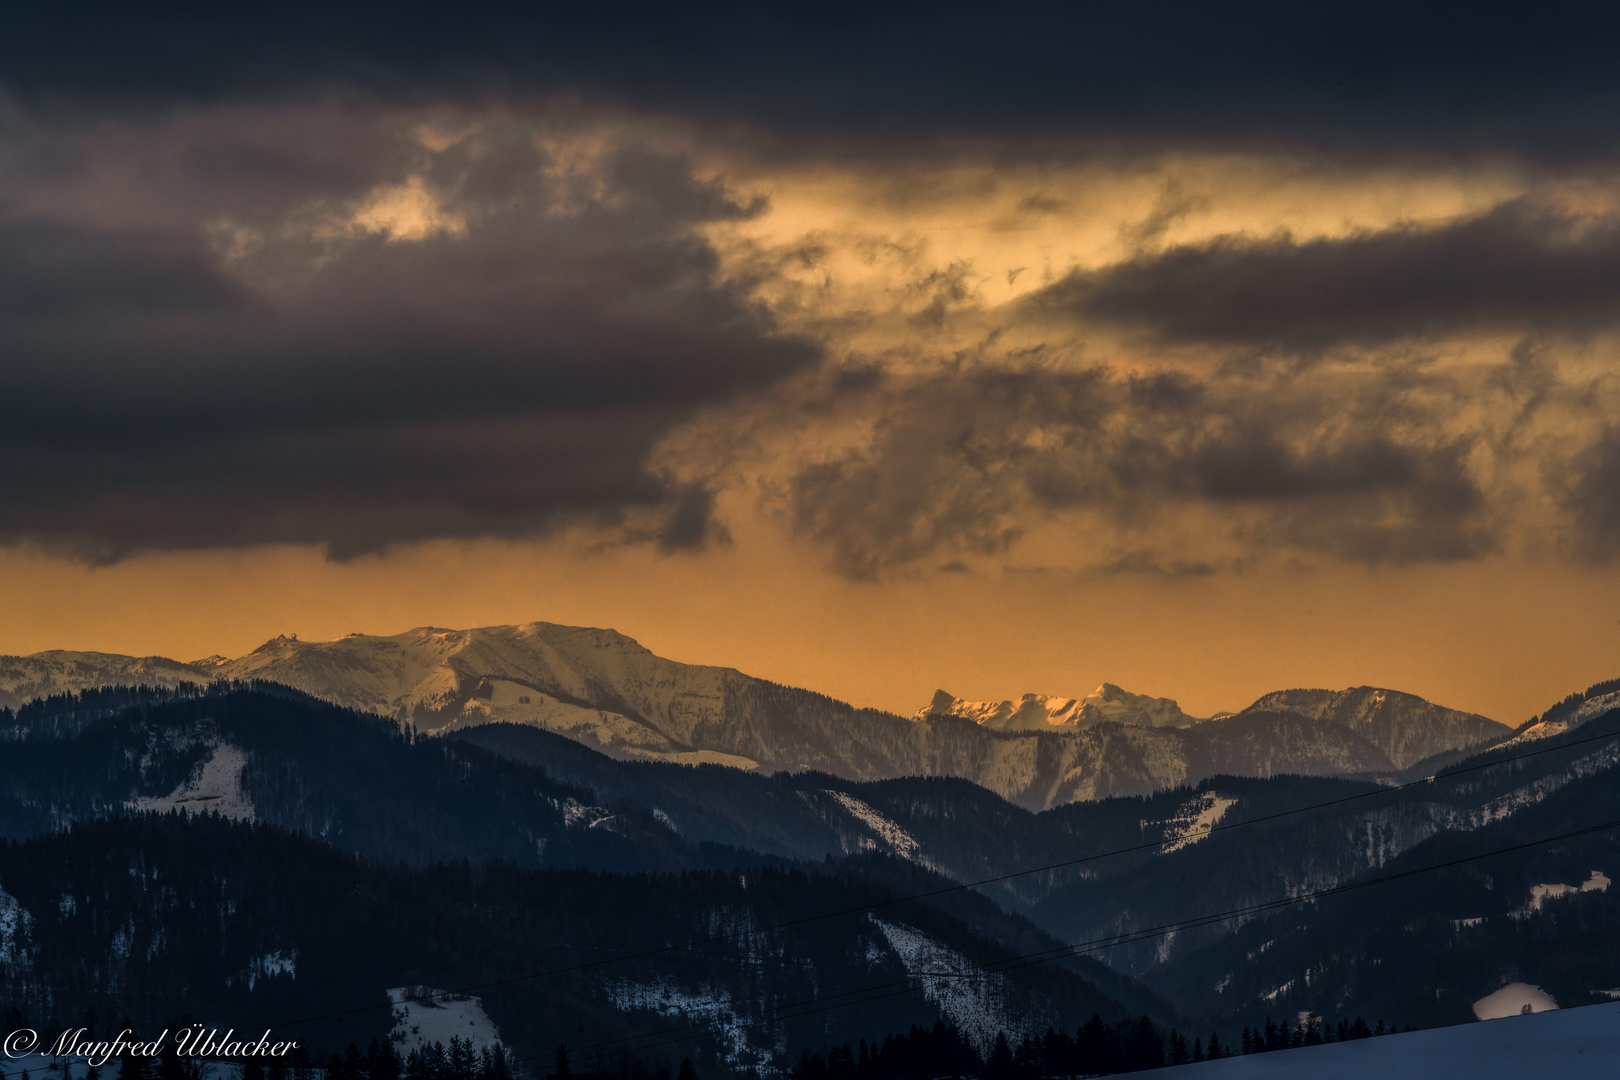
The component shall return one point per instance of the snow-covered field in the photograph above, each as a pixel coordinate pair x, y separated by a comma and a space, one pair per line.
1571, 1043
418, 1023
1514, 999
214, 785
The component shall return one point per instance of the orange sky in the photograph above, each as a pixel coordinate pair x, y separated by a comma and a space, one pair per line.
1495, 638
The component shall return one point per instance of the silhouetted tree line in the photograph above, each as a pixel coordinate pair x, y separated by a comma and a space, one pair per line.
460, 1060
1308, 1031
1095, 1047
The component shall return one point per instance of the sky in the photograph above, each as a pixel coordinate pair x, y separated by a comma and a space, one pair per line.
1203, 349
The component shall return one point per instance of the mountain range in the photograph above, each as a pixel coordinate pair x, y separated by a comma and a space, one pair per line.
249, 854
366, 856
606, 691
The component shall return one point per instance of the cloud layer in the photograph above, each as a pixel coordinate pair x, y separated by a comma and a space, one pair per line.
1519, 265
359, 326
1215, 380
465, 333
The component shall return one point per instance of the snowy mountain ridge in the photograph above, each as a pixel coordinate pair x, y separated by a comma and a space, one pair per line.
1039, 712
605, 690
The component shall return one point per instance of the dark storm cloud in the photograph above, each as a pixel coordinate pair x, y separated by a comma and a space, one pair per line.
54, 277
513, 360
1535, 78
1513, 267
966, 461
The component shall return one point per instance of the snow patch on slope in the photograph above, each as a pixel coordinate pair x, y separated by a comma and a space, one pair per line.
972, 1000
215, 784
423, 1016
15, 923
1540, 894
576, 815
1194, 820
1531, 794
712, 1007
904, 844
1589, 710
279, 962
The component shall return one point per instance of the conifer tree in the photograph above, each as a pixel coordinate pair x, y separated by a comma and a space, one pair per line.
382, 1062
1147, 1048
459, 1058
688, 1072
1093, 1039
1000, 1064
131, 1066
1216, 1050
562, 1061
433, 1061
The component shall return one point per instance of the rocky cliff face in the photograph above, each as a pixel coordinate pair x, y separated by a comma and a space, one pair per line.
1040, 712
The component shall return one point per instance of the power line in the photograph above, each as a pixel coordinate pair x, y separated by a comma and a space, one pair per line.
1025, 960
959, 887
912, 982
1013, 963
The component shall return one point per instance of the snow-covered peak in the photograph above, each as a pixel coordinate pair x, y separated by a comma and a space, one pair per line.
1405, 727
1039, 712
592, 684
1109, 702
